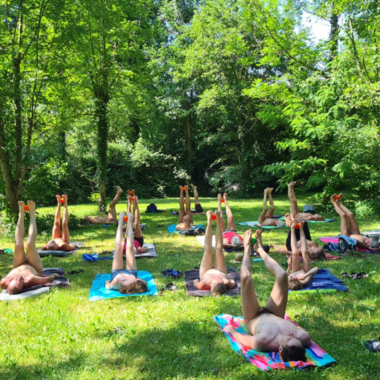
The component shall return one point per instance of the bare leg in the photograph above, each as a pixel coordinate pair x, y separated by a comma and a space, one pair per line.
222, 225
206, 263
65, 222
181, 212
220, 262
344, 228
19, 257
292, 199
34, 258
230, 218
117, 262
265, 208
353, 224
279, 296
131, 261
188, 204
195, 192
136, 212
112, 210
305, 254
129, 204
271, 204
249, 302
296, 266
57, 220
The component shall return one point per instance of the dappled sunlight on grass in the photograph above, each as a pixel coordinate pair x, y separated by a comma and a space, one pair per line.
63, 335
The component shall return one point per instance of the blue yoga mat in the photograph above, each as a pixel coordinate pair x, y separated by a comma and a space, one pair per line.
323, 280
98, 289
171, 228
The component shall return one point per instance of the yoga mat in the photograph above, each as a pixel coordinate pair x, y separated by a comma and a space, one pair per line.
151, 252
171, 228
38, 289
283, 249
266, 361
98, 289
255, 224
321, 281
371, 233
44, 253
316, 221
191, 290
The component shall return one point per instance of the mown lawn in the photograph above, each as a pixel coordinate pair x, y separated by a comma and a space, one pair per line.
61, 335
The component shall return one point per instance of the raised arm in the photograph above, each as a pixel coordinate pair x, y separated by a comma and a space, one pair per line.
37, 280
252, 341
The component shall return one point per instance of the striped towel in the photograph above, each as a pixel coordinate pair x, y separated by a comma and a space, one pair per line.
316, 356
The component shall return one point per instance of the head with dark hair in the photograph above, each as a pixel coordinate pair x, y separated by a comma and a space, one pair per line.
16, 284
186, 219
293, 350
294, 283
218, 288
134, 287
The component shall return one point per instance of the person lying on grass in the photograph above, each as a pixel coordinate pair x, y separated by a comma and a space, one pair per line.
125, 280
214, 278
111, 218
314, 250
349, 226
138, 238
185, 217
270, 331
266, 217
27, 269
60, 241
294, 207
230, 237
300, 275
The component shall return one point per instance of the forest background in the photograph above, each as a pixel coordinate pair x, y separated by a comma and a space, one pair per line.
230, 95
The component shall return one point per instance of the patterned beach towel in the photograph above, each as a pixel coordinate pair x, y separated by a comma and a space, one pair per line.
316, 221
316, 356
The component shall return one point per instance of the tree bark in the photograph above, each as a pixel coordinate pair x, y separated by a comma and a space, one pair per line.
101, 104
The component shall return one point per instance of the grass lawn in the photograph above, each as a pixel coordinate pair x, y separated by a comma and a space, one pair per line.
62, 335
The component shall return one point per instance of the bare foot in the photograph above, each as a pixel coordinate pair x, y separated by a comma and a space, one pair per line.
21, 206
270, 189
247, 238
225, 196
186, 188
135, 199
217, 213
292, 184
180, 187
293, 224
259, 243
133, 192
333, 198
32, 206
341, 196
130, 217
121, 216
58, 199
64, 196
118, 189
209, 216
193, 186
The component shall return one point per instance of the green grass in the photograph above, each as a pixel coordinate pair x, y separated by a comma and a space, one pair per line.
61, 335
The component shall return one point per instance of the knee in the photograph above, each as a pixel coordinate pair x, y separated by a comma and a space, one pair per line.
350, 214
281, 274
30, 244
57, 224
19, 245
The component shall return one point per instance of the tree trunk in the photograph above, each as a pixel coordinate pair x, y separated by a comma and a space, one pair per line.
334, 33
188, 132
101, 104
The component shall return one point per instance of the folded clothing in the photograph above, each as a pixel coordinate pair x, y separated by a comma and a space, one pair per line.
191, 290
323, 280
39, 289
316, 356
44, 253
98, 289
335, 240
171, 228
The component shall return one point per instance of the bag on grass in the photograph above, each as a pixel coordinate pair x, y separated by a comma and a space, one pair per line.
194, 232
151, 208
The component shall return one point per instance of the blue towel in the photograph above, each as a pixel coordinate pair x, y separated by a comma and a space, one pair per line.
98, 289
171, 228
88, 257
324, 280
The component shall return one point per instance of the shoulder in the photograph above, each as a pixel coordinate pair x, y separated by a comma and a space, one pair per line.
304, 337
